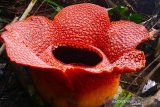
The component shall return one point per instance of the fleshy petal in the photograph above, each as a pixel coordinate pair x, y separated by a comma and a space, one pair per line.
105, 85
20, 54
82, 23
75, 87
121, 37
36, 33
83, 28
119, 45
130, 62
25, 40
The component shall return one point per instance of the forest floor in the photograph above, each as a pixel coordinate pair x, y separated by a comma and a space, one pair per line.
12, 92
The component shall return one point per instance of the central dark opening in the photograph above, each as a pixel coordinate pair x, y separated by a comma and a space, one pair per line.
76, 56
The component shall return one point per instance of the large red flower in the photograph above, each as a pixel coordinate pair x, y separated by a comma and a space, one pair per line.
77, 58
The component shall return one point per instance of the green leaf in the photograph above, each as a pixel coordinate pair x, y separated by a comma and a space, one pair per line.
51, 2
121, 12
135, 17
122, 99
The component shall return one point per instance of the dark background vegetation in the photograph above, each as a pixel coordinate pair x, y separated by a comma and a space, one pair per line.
12, 93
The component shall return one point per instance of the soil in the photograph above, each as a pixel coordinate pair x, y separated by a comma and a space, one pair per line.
12, 92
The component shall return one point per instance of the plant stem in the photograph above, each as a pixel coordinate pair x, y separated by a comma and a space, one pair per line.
28, 9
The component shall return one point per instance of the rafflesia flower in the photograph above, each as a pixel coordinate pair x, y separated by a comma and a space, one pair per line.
76, 59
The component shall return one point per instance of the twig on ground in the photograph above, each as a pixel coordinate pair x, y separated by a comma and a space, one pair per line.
152, 33
148, 23
152, 101
128, 5
110, 3
146, 78
39, 7
28, 9
158, 57
124, 82
156, 23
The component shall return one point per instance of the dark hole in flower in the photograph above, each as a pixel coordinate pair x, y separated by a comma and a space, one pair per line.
76, 56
